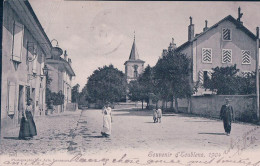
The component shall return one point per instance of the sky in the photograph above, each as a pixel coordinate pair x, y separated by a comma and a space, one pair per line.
98, 33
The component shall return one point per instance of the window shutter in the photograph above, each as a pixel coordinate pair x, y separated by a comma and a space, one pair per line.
226, 56
11, 98
201, 77
246, 58
206, 55
209, 73
18, 31
34, 67
226, 34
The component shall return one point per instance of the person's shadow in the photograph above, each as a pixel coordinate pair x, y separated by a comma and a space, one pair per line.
13, 138
213, 133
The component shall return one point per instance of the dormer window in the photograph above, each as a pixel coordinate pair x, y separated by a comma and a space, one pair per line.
226, 34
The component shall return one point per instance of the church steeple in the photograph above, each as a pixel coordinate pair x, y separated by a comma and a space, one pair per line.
134, 54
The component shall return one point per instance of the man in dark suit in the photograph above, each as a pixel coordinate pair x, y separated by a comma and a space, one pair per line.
226, 114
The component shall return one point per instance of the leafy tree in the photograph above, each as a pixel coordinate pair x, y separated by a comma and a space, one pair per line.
107, 84
136, 92
173, 74
145, 81
75, 93
226, 81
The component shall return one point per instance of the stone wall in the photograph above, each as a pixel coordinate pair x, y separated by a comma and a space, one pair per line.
210, 106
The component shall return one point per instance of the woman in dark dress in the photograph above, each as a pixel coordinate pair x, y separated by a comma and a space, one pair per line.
27, 126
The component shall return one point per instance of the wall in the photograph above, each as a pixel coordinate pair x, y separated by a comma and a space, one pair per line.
130, 69
213, 39
210, 105
15, 75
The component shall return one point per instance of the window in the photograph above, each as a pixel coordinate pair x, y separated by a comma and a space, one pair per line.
226, 56
18, 30
135, 71
206, 55
226, 34
204, 76
246, 58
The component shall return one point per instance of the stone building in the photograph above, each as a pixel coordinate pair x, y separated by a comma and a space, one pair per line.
133, 66
24, 49
61, 73
227, 42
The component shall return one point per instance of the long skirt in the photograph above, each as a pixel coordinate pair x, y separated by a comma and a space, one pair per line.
227, 125
27, 128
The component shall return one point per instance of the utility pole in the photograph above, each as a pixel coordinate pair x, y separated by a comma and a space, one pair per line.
257, 73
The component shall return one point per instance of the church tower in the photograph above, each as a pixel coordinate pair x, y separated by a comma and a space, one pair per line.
133, 66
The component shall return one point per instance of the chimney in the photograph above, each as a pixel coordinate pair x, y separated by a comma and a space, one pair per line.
65, 55
69, 60
190, 30
239, 16
206, 26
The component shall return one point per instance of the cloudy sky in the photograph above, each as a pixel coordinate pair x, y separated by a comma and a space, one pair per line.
98, 33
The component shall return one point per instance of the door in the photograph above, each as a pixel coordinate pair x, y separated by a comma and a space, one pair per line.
20, 103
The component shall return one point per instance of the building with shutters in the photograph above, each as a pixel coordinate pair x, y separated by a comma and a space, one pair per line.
61, 73
227, 42
24, 49
133, 66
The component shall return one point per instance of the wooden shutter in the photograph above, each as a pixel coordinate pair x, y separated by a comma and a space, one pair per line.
18, 31
201, 77
11, 98
34, 67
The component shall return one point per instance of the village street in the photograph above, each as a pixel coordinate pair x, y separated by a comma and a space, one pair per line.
132, 131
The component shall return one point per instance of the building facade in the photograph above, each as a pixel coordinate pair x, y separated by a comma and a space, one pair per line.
133, 66
25, 47
226, 43
61, 73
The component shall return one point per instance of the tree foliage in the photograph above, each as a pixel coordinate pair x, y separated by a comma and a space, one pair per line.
107, 84
172, 77
75, 93
227, 81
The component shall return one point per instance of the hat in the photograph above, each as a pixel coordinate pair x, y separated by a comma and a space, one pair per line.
227, 99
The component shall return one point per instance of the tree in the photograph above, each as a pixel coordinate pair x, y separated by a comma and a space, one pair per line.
145, 81
75, 93
107, 84
173, 74
136, 92
226, 81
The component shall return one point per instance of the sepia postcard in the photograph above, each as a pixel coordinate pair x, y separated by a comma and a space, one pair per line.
135, 83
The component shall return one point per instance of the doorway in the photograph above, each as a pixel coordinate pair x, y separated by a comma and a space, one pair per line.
20, 103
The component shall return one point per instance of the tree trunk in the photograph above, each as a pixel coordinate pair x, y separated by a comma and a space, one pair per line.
176, 104
142, 104
172, 98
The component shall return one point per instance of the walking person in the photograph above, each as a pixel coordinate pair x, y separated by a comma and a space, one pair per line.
155, 116
159, 114
107, 120
226, 114
27, 126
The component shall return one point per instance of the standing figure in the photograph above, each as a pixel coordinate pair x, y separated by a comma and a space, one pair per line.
155, 116
27, 126
226, 113
159, 114
107, 120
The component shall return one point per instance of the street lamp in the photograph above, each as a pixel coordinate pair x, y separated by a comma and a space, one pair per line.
34, 75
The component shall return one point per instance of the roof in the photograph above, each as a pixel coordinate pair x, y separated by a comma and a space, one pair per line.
64, 63
229, 18
28, 17
134, 54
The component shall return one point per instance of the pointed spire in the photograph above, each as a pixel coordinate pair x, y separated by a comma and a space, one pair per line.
134, 54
